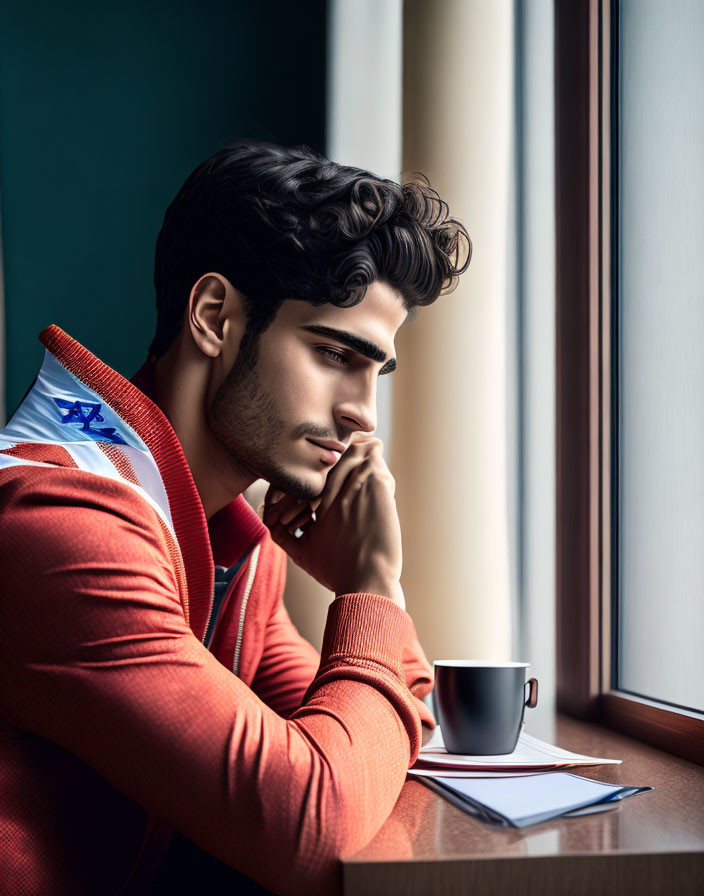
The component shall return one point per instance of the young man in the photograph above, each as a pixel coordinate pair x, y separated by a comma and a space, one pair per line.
151, 678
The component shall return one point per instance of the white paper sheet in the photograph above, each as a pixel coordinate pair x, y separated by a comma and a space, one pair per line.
530, 753
464, 773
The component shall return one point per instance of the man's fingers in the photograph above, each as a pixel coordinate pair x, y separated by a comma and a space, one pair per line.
287, 541
273, 495
298, 521
298, 508
288, 512
358, 470
337, 477
360, 438
273, 513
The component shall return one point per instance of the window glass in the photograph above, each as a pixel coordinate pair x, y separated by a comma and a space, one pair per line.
660, 351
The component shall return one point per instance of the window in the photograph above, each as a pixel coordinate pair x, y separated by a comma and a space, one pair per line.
659, 278
630, 369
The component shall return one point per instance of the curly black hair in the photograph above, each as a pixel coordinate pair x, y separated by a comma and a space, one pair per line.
286, 223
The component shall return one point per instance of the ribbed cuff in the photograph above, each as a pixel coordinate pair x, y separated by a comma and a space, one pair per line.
366, 626
364, 639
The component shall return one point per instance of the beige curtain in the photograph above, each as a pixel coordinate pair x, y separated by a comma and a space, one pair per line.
450, 407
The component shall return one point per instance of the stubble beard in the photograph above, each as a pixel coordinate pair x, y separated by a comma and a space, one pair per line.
246, 421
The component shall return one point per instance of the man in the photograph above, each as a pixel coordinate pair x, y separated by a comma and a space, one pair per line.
151, 678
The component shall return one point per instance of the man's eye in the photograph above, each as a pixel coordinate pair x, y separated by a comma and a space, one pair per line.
332, 355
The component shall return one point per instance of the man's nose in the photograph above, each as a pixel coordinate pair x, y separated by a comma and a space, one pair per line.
358, 414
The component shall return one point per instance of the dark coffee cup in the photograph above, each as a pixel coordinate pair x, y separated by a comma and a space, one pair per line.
480, 704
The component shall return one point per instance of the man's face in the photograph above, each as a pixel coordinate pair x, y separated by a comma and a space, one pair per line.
296, 393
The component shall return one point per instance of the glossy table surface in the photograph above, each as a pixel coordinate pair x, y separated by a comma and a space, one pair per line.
424, 828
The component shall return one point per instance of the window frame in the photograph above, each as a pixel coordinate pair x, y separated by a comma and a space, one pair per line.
587, 386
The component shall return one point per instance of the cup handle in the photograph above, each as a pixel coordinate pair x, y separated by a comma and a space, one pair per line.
531, 701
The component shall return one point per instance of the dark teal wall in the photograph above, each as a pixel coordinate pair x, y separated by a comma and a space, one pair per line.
104, 110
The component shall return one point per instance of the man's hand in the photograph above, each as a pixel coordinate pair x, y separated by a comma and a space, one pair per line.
352, 537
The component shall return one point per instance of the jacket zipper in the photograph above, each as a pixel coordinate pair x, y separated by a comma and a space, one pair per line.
210, 618
217, 605
248, 587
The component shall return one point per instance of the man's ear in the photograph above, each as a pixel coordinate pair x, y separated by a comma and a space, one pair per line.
216, 315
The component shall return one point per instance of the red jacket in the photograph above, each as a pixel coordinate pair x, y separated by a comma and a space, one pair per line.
116, 723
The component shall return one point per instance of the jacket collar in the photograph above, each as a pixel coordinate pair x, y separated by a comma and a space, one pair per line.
235, 529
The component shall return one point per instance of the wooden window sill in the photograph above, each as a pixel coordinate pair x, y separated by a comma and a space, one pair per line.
652, 843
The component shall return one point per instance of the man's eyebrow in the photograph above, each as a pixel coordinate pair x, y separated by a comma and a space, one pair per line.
356, 343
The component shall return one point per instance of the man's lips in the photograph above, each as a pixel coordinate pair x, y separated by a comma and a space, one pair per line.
331, 449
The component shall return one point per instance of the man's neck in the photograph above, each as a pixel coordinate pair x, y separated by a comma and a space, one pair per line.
178, 386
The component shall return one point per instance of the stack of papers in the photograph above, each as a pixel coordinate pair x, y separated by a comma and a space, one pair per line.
529, 799
513, 789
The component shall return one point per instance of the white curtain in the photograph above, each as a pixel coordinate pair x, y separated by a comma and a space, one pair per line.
537, 382
451, 454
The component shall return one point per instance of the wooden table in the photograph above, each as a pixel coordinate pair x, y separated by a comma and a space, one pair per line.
653, 843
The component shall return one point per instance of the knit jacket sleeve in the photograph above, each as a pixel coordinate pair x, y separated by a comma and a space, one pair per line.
287, 666
289, 663
97, 656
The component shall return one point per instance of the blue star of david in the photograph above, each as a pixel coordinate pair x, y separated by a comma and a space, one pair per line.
85, 413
